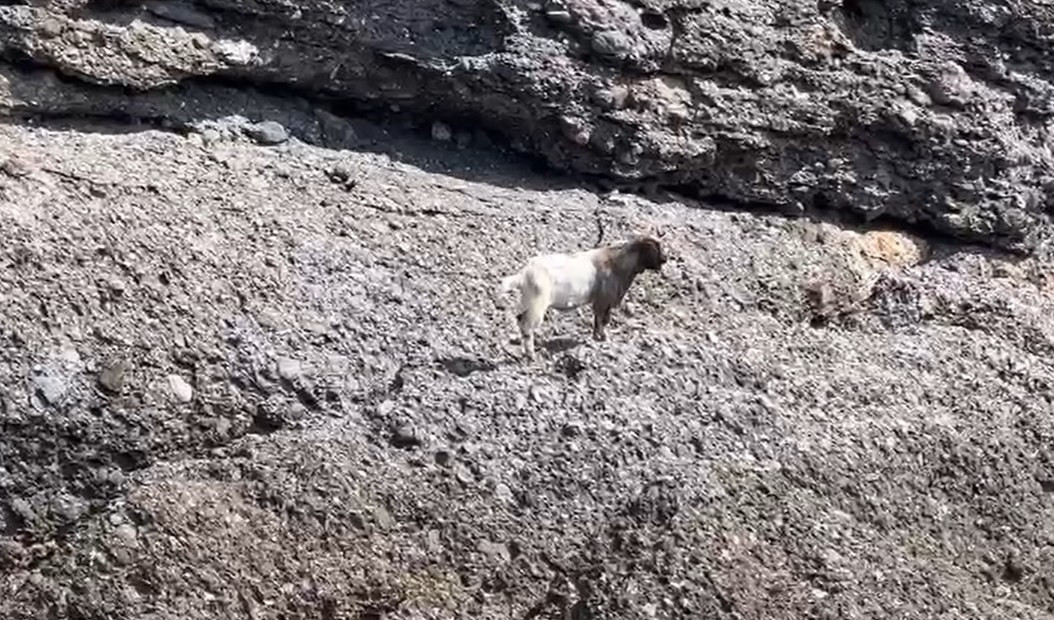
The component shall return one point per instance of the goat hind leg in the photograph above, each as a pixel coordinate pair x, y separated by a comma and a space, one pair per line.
530, 319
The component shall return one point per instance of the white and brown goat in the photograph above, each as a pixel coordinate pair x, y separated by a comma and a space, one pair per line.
599, 277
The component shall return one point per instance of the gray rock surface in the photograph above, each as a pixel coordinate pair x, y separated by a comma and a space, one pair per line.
795, 420
931, 112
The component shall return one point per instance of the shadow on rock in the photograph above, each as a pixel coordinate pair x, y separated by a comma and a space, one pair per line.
463, 366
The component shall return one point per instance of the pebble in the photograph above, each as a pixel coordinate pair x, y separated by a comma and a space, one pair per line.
180, 388
405, 436
289, 369
571, 430
51, 389
127, 533
267, 133
68, 507
236, 52
210, 136
114, 375
383, 518
385, 408
498, 551
15, 168
339, 173
611, 43
22, 509
441, 132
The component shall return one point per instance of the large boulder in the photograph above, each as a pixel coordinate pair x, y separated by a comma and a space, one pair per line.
932, 112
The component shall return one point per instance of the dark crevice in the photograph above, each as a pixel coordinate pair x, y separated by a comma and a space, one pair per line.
418, 120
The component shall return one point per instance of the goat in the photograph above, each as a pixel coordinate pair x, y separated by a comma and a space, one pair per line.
565, 281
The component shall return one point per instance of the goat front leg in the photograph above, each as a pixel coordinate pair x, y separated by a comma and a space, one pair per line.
601, 317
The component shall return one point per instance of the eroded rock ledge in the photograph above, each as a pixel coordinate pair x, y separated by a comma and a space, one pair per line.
931, 112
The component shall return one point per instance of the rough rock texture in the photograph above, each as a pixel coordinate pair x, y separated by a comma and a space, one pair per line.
244, 381
931, 111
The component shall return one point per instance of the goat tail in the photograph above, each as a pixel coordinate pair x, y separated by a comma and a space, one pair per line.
509, 283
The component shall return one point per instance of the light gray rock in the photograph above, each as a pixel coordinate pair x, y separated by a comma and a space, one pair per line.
267, 133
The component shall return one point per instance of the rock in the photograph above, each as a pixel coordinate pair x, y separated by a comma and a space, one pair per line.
23, 510
114, 375
442, 458
339, 173
127, 534
236, 52
383, 518
290, 369
571, 429
612, 43
51, 389
180, 389
405, 436
68, 508
385, 408
16, 167
211, 136
441, 132
267, 133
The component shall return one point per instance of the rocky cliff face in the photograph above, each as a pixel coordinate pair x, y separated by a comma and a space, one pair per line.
242, 376
932, 112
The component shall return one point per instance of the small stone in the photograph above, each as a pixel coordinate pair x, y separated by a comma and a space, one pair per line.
339, 173
22, 509
441, 132
210, 136
289, 369
267, 133
497, 551
612, 43
405, 436
503, 492
51, 389
15, 167
180, 388
50, 28
114, 375
571, 430
236, 52
918, 96
613, 98
68, 507
383, 518
127, 533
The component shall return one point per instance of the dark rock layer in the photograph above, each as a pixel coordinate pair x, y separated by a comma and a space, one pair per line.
931, 112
